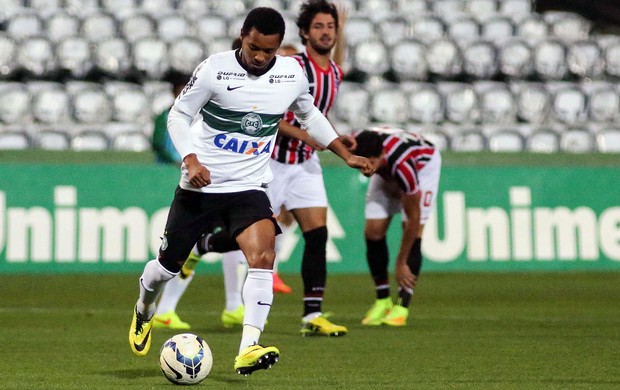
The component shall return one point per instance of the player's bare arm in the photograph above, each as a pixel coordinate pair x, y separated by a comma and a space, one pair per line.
199, 175
352, 160
293, 131
411, 227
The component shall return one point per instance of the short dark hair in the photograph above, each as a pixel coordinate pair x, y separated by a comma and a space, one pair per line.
265, 20
308, 11
369, 144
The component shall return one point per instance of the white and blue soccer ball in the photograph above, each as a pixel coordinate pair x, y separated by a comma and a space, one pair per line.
185, 359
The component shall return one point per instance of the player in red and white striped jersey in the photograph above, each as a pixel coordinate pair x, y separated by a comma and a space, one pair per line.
407, 178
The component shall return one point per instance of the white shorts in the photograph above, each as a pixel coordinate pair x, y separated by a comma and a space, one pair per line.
383, 196
297, 186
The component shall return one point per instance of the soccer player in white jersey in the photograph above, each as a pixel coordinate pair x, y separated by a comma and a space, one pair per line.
241, 96
408, 168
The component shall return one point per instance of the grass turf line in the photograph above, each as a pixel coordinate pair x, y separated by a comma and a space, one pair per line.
468, 331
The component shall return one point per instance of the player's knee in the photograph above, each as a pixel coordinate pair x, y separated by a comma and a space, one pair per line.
263, 259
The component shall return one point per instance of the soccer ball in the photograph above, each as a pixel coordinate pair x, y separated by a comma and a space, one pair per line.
185, 359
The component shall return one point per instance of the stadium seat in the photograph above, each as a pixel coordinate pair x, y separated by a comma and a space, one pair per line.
463, 30
156, 8
388, 105
8, 62
112, 58
74, 57
120, 8
585, 59
533, 29
428, 28
352, 105
567, 26
447, 9
468, 140
91, 106
377, 9
218, 45
61, 25
150, 58
507, 140
98, 27
533, 103
15, 102
608, 140
543, 141
36, 58
426, 105
481, 9
515, 59
160, 95
90, 140
129, 103
517, 10
604, 104
25, 24
412, 7
134, 141
444, 59
227, 8
185, 53
550, 60
408, 60
480, 60
81, 8
612, 60
50, 103
461, 102
173, 26
50, 139
14, 140
369, 58
137, 26
497, 105
570, 105
359, 28
10, 8
498, 30
393, 29
577, 140
211, 26
194, 8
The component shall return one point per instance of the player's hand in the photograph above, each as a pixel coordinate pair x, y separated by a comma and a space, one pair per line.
348, 141
404, 276
361, 163
199, 175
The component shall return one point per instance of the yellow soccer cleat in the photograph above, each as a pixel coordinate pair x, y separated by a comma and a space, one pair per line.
256, 357
375, 315
169, 320
397, 316
321, 326
233, 318
140, 334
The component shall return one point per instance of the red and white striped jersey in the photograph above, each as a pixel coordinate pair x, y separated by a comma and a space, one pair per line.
404, 156
324, 85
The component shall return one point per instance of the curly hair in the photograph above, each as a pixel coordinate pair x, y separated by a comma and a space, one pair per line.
308, 11
265, 20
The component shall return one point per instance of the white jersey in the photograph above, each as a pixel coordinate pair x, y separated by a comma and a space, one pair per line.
240, 113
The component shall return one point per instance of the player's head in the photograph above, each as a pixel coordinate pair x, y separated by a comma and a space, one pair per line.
261, 36
236, 44
370, 145
178, 81
318, 25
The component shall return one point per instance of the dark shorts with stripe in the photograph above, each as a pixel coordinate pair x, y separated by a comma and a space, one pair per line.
193, 214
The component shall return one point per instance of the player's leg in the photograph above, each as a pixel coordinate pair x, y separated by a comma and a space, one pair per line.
429, 184
381, 203
182, 229
286, 222
234, 268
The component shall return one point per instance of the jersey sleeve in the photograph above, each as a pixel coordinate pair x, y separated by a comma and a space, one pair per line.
197, 92
407, 177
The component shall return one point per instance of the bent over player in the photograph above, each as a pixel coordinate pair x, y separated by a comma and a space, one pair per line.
406, 180
226, 170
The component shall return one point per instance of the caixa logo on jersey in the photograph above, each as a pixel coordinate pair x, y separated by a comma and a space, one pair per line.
281, 78
227, 142
224, 75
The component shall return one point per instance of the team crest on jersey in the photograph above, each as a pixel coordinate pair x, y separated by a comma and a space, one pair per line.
251, 123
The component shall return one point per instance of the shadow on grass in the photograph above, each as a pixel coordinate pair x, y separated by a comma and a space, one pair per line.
150, 373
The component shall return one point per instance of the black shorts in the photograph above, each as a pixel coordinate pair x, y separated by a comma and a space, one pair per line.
193, 214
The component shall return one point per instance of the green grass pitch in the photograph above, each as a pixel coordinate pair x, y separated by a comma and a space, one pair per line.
468, 331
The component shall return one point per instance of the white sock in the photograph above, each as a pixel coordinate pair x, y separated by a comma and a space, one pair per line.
173, 291
249, 337
232, 286
258, 297
151, 283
